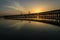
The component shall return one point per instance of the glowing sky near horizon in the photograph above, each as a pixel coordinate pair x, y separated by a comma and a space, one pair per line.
8, 7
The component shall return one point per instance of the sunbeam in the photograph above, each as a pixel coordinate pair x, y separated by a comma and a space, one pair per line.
15, 7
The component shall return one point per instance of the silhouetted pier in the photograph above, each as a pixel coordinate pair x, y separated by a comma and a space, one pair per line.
51, 17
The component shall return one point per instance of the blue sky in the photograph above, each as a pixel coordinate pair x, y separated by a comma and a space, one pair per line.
17, 6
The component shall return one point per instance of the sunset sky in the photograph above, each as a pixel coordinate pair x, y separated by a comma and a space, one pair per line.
8, 7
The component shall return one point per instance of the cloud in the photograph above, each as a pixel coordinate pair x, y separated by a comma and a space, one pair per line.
13, 7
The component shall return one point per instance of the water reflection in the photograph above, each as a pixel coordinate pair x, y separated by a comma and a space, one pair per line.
11, 24
18, 24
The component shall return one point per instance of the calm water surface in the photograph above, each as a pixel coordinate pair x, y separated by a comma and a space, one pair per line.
14, 28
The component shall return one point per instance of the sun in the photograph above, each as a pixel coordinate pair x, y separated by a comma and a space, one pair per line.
37, 10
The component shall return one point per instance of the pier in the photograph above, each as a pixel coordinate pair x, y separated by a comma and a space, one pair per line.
50, 17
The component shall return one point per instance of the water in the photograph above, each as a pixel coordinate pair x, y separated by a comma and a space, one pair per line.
18, 28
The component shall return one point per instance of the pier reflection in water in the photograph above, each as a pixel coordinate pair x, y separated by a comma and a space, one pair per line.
18, 24
18, 28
